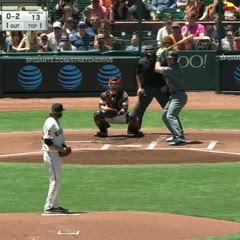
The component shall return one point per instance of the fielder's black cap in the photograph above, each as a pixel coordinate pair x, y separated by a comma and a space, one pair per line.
57, 107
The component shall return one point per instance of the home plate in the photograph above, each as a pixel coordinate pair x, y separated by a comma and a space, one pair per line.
130, 145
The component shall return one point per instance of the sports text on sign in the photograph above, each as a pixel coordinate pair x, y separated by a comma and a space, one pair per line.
24, 20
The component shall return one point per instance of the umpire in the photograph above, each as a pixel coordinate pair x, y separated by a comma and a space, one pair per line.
150, 84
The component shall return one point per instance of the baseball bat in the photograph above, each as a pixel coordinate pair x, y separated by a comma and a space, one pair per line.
181, 41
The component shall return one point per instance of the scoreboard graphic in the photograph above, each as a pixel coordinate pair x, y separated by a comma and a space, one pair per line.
24, 20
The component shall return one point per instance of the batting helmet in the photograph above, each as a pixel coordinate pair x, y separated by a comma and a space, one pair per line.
172, 54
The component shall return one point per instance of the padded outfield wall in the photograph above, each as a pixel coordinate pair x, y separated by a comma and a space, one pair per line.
72, 74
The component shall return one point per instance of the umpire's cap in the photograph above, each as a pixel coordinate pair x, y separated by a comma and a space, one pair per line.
149, 47
57, 107
172, 54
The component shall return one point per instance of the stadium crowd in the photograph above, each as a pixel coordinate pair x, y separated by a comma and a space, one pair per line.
92, 28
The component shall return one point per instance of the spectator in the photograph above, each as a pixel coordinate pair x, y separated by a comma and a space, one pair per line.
177, 36
201, 8
134, 47
62, 3
70, 26
100, 44
108, 37
230, 10
159, 5
55, 36
31, 39
108, 4
97, 9
87, 16
181, 4
120, 9
165, 30
13, 40
214, 31
42, 46
82, 40
95, 21
236, 45
228, 41
21, 8
227, 9
192, 7
192, 27
166, 43
205, 43
134, 9
67, 13
65, 44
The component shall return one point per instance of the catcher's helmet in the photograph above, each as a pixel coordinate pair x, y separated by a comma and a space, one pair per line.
114, 82
172, 54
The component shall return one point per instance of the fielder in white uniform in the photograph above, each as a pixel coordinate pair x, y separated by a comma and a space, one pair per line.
53, 142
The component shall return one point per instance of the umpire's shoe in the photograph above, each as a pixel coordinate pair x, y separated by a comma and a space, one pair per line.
101, 134
138, 134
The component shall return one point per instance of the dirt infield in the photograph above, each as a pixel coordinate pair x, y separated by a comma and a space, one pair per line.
203, 146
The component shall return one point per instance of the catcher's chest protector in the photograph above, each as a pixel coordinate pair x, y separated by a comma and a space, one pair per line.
114, 100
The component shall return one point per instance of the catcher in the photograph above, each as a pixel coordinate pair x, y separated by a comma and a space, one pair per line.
113, 108
54, 148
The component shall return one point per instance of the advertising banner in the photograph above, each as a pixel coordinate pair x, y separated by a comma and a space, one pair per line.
229, 72
88, 75
67, 74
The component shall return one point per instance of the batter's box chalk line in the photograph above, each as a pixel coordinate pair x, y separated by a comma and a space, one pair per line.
68, 233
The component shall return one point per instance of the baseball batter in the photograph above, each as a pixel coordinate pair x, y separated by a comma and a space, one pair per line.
113, 108
177, 100
53, 145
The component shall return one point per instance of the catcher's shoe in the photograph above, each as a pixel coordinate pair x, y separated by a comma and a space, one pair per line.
101, 134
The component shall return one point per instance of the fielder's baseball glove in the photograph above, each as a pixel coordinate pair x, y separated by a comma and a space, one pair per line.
111, 113
67, 151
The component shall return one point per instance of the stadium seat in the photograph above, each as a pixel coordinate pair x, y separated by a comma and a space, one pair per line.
118, 44
121, 34
177, 13
146, 35
151, 42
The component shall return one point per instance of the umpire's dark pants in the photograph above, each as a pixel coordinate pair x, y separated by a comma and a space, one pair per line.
145, 99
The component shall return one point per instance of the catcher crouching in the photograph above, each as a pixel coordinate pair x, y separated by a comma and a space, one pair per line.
113, 108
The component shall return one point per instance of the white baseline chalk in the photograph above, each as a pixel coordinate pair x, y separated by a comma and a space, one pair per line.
211, 145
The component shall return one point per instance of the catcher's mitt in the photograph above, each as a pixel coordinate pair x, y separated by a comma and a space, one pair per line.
66, 152
110, 113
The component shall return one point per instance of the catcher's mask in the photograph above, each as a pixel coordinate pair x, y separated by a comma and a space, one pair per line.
114, 83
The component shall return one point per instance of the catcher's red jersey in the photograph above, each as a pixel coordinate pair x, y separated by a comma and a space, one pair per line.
116, 101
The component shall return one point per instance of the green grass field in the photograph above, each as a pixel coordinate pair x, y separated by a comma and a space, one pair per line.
207, 190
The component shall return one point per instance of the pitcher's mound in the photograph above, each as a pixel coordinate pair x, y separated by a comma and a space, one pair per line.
112, 226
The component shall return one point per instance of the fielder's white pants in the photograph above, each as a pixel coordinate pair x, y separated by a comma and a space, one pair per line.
53, 164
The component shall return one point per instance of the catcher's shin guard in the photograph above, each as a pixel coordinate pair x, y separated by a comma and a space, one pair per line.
99, 120
132, 121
